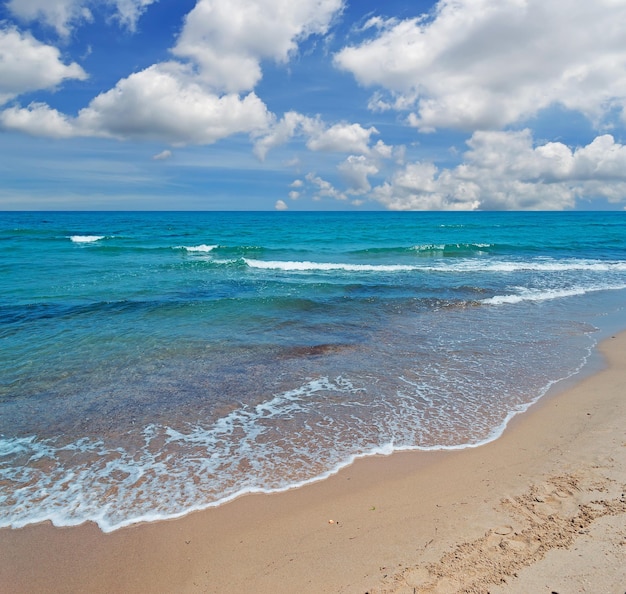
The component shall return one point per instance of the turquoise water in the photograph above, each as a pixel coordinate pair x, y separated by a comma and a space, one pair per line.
157, 363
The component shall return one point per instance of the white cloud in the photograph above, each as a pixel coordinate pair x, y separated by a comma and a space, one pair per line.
378, 23
64, 15
324, 189
228, 39
603, 160
420, 186
280, 205
339, 138
177, 102
483, 64
129, 11
59, 14
285, 129
28, 65
503, 170
342, 138
38, 119
383, 151
163, 102
162, 156
355, 171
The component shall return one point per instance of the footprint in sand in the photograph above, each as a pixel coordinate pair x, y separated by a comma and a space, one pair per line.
550, 515
503, 530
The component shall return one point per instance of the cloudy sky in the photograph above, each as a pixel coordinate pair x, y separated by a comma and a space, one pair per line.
312, 104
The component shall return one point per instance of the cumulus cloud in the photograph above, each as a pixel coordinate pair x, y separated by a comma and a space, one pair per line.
499, 171
338, 138
342, 138
324, 189
420, 186
63, 15
28, 65
281, 205
355, 171
195, 99
228, 40
285, 129
181, 111
483, 64
385, 151
38, 119
504, 170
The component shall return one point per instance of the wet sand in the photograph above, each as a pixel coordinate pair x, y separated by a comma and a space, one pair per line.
542, 509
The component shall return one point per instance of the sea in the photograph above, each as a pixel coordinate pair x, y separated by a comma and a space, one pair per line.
157, 363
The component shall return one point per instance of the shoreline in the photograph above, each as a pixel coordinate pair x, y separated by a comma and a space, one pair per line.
394, 519
591, 363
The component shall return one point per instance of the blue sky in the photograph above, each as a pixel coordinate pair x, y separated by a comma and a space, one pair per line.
312, 105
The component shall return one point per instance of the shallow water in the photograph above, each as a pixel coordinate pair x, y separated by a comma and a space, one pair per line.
155, 363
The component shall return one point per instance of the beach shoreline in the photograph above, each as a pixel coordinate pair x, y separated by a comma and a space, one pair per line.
542, 508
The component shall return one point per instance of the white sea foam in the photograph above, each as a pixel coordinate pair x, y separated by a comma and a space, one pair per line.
549, 266
511, 266
16, 445
421, 378
156, 481
71, 497
443, 246
192, 467
325, 266
86, 238
525, 294
179, 471
429, 247
204, 249
461, 265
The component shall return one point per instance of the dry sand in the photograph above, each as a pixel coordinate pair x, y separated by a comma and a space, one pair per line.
542, 509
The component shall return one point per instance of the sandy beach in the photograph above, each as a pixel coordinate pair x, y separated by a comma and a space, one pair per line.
542, 509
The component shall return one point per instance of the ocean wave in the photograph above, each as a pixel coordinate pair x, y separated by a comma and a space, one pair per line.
223, 364
550, 266
466, 265
286, 439
304, 266
178, 471
174, 472
426, 249
202, 248
525, 294
86, 238
451, 247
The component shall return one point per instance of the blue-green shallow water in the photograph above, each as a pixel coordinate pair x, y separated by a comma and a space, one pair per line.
156, 363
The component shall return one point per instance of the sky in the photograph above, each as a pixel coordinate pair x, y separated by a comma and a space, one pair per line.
312, 105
